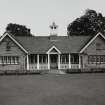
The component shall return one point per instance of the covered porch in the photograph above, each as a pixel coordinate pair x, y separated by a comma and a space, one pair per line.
53, 61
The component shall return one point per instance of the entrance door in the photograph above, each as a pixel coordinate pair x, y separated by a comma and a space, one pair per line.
54, 61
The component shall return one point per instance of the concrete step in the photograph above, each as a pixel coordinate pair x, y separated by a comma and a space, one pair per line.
56, 72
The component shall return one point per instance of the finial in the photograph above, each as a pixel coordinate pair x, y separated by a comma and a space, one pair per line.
53, 28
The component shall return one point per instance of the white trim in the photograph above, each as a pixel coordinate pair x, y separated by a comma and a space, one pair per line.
79, 61
91, 41
27, 62
53, 47
6, 34
38, 61
48, 61
59, 61
69, 61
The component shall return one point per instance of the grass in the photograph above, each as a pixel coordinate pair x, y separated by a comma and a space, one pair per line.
48, 89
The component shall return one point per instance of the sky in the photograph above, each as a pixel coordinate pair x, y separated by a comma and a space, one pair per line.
39, 14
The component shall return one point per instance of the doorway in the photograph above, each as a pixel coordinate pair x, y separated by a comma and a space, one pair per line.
54, 61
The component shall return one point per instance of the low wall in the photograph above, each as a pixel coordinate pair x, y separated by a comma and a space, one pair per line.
10, 67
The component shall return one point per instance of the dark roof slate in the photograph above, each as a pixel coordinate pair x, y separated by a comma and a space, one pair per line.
41, 44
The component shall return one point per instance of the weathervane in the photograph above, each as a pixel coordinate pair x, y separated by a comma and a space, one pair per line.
53, 28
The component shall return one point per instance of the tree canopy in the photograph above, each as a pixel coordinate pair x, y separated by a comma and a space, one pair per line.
88, 24
18, 30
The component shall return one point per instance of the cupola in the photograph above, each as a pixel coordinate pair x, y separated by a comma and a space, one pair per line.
53, 32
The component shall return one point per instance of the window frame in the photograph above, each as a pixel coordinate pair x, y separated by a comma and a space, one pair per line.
96, 59
9, 60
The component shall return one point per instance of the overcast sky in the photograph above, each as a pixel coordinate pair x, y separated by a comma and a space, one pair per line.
39, 14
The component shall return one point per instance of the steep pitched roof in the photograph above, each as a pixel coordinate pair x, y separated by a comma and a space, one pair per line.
13, 39
41, 44
92, 39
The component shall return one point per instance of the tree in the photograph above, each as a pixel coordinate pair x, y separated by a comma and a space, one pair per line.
18, 30
88, 24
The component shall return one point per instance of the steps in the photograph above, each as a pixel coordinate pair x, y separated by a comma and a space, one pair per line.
55, 71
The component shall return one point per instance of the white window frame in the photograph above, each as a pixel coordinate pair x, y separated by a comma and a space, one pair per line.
9, 60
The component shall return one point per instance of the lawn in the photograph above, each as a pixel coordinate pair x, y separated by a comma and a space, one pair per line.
50, 89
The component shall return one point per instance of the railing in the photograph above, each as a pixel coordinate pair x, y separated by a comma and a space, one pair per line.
45, 66
41, 66
74, 66
32, 66
64, 66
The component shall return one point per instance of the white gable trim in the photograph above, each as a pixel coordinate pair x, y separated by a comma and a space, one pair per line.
17, 43
53, 47
92, 41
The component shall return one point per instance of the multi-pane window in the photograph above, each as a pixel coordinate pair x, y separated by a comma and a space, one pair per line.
96, 59
102, 59
9, 59
33, 59
64, 59
43, 58
74, 59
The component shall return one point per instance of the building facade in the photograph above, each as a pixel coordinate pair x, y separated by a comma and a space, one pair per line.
52, 52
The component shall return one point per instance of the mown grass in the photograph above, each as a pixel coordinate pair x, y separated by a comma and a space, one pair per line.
48, 89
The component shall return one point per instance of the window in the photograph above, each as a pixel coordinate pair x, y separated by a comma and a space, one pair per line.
74, 59
9, 59
102, 59
43, 58
32, 59
64, 58
96, 59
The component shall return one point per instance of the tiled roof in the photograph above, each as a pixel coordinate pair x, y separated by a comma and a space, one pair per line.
41, 44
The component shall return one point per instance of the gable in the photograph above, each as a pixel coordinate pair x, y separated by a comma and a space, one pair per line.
97, 35
96, 47
12, 39
9, 47
53, 50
